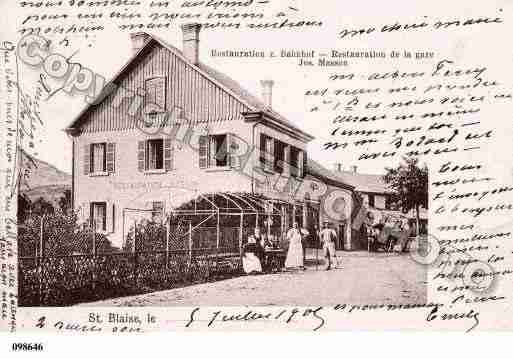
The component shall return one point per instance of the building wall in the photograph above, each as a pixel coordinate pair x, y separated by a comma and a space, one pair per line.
340, 214
272, 184
129, 188
200, 98
335, 205
204, 104
379, 199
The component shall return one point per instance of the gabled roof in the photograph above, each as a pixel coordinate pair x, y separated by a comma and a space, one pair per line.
364, 182
357, 181
220, 79
315, 169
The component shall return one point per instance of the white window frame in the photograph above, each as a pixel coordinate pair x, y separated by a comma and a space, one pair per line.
147, 160
211, 153
93, 216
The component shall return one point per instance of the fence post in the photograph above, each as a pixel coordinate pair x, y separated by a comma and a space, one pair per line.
39, 259
168, 230
41, 239
134, 251
190, 244
217, 238
93, 230
240, 235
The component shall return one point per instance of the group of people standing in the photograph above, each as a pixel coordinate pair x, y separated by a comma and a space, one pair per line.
387, 232
297, 238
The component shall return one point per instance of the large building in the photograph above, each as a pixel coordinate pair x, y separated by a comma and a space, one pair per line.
175, 132
128, 161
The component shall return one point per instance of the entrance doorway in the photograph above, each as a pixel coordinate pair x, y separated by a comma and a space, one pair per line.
341, 236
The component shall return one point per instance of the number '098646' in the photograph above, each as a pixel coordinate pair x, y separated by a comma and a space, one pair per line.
27, 347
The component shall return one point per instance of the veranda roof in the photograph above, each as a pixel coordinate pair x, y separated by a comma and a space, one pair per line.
232, 203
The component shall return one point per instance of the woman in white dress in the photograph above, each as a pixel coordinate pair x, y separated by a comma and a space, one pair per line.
295, 253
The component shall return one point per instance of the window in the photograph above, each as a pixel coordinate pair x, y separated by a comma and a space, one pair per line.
266, 152
294, 162
371, 200
155, 154
98, 157
155, 95
218, 153
387, 202
297, 162
155, 157
214, 151
279, 156
98, 215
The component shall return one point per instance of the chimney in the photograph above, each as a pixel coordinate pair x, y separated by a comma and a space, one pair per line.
190, 34
338, 167
267, 92
353, 169
138, 40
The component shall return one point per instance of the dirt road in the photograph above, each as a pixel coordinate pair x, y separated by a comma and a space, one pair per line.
365, 278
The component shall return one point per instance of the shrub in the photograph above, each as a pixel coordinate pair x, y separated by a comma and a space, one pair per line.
62, 235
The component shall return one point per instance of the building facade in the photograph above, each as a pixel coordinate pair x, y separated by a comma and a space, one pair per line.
174, 129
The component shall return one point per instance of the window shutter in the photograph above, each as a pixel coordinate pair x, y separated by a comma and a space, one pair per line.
203, 151
262, 149
87, 159
160, 93
110, 215
168, 154
82, 211
111, 157
141, 155
300, 163
269, 149
212, 152
286, 160
91, 215
294, 166
305, 163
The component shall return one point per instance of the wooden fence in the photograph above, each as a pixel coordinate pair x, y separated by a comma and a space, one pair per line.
67, 280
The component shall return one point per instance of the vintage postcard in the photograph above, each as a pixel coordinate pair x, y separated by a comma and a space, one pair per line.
291, 165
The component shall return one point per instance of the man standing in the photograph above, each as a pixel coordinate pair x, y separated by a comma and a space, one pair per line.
328, 237
304, 242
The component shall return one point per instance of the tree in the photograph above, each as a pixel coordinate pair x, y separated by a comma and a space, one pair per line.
62, 236
410, 182
65, 202
42, 207
24, 205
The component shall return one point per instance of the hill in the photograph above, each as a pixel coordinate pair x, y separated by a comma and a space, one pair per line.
42, 179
